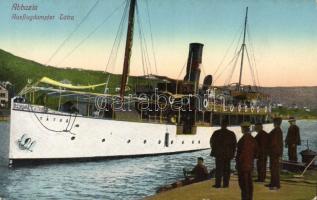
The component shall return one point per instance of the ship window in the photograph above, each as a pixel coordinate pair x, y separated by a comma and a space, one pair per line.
198, 141
144, 141
172, 142
103, 140
128, 141
60, 120
193, 142
183, 142
77, 125
46, 119
72, 138
159, 142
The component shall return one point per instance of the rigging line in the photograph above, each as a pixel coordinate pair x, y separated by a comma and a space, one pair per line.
250, 66
151, 35
228, 49
145, 72
116, 44
145, 51
147, 58
115, 47
230, 62
90, 34
232, 70
251, 46
253, 55
182, 70
145, 69
144, 66
203, 69
237, 52
72, 33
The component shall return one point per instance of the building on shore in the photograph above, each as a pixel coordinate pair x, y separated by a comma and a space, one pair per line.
4, 97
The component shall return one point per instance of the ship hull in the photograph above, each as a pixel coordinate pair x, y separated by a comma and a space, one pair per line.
38, 137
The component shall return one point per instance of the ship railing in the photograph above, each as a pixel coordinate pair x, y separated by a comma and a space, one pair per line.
236, 110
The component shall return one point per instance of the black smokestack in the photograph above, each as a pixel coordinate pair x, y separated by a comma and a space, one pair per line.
193, 63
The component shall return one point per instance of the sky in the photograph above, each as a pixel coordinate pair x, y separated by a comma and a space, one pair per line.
283, 36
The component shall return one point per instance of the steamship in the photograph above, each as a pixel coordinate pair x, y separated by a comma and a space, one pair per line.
53, 121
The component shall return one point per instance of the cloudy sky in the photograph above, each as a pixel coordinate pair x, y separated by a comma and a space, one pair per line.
283, 35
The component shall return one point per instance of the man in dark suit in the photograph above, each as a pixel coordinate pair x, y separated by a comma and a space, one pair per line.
275, 153
223, 146
246, 153
262, 139
292, 140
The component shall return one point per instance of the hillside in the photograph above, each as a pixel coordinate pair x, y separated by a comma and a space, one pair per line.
291, 96
18, 70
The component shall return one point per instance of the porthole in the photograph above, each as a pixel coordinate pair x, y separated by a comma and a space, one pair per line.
72, 138
172, 142
193, 142
159, 142
128, 141
77, 125
103, 140
198, 141
183, 142
46, 119
144, 141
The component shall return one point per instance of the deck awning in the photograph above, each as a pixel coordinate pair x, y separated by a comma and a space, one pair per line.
68, 86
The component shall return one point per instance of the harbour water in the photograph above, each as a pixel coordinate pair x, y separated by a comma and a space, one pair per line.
130, 178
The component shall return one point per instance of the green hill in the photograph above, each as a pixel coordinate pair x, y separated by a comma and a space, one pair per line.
18, 70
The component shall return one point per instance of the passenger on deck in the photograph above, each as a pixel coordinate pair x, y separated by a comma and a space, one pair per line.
223, 144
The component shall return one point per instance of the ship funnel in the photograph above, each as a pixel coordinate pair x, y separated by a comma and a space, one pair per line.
193, 63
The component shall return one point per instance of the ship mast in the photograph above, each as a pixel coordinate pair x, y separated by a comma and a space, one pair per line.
242, 48
128, 48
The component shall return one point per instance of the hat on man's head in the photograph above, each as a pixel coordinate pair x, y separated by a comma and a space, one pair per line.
245, 124
291, 119
277, 120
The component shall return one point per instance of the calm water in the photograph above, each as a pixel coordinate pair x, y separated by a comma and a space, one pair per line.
113, 179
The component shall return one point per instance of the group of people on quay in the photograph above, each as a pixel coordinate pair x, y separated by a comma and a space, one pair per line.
263, 147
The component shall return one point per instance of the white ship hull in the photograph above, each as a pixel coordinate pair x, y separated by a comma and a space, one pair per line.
41, 136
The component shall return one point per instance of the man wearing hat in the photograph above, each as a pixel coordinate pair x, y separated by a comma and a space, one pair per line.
292, 140
223, 144
262, 139
275, 153
246, 153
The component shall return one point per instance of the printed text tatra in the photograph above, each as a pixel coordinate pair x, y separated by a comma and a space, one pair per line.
66, 17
